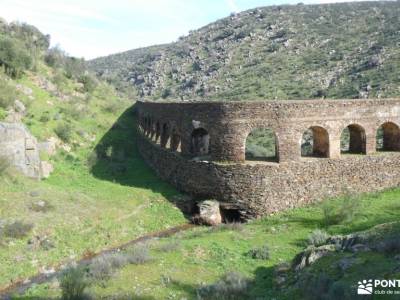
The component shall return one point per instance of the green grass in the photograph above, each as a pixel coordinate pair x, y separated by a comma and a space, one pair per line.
94, 206
203, 255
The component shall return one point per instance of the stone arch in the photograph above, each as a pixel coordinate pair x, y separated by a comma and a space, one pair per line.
315, 142
262, 145
164, 135
353, 139
200, 142
175, 140
388, 137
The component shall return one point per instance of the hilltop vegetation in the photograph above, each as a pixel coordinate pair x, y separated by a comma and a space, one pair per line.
346, 50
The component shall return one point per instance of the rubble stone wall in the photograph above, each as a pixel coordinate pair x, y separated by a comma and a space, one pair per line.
259, 188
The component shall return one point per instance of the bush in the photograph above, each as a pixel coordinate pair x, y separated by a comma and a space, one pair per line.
322, 286
139, 254
232, 286
259, 253
389, 245
342, 213
17, 229
64, 132
7, 94
55, 57
102, 267
73, 283
170, 246
89, 83
317, 238
13, 57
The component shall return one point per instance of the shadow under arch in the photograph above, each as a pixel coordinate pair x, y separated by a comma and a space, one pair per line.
116, 158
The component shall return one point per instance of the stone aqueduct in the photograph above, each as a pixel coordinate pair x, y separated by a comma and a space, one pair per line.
199, 147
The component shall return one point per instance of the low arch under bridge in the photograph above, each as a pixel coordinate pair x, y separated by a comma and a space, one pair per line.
200, 147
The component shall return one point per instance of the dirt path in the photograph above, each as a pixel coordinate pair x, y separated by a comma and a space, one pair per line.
21, 286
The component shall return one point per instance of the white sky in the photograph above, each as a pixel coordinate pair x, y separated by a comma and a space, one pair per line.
92, 28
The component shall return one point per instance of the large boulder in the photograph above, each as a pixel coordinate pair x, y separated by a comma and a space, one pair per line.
209, 213
20, 149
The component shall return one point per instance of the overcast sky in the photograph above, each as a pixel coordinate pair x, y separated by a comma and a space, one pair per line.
92, 28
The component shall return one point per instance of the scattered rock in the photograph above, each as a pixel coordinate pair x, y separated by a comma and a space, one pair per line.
24, 89
49, 146
34, 193
311, 255
47, 168
19, 106
210, 213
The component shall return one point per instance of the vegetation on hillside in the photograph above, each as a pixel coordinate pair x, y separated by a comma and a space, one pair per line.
344, 50
94, 199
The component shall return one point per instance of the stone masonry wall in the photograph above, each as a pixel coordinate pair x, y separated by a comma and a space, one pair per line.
259, 188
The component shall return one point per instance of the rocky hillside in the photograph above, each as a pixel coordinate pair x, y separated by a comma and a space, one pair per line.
279, 52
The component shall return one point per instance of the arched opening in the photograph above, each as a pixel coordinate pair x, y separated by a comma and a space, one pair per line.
262, 145
200, 142
315, 142
158, 132
164, 136
388, 137
353, 140
147, 126
175, 141
152, 129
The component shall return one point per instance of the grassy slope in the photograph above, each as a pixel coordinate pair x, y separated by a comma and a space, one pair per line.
205, 254
91, 210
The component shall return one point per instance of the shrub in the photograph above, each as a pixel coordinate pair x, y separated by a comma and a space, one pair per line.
55, 57
74, 111
64, 132
139, 254
13, 56
73, 283
322, 286
89, 83
7, 94
344, 212
100, 268
389, 245
17, 229
170, 246
317, 238
260, 252
231, 286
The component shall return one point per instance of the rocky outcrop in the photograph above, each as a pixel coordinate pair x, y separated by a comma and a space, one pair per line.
21, 150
